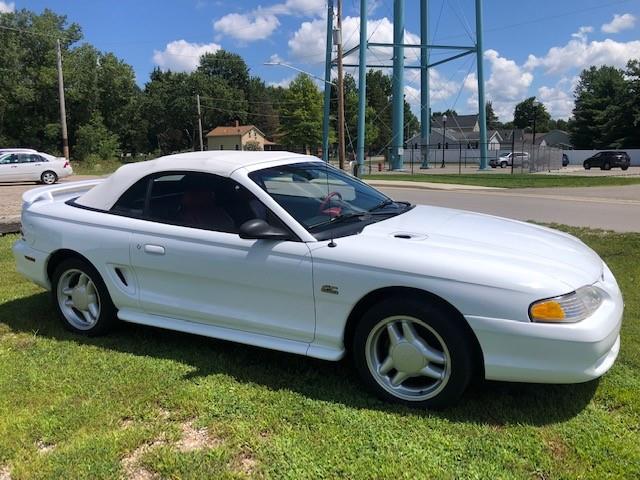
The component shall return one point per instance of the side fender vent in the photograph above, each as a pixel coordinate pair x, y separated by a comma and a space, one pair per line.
121, 276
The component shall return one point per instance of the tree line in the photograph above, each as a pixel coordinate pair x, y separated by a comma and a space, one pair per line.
108, 113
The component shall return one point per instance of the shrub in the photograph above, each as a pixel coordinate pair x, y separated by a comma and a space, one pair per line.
94, 138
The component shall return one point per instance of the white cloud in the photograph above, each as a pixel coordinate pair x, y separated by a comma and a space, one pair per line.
581, 34
508, 84
260, 23
182, 56
298, 7
619, 23
275, 58
284, 83
7, 7
440, 88
247, 27
579, 53
308, 42
558, 100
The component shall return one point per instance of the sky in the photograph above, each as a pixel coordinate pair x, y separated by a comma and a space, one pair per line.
530, 48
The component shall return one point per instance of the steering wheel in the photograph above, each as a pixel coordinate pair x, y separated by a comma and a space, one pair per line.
324, 208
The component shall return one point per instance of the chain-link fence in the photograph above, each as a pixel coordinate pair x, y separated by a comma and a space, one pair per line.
465, 158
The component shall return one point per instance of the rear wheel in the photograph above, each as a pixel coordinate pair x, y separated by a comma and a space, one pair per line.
81, 298
587, 166
48, 177
503, 164
412, 352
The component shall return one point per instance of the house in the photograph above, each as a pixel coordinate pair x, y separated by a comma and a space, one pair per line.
458, 123
456, 139
236, 138
557, 139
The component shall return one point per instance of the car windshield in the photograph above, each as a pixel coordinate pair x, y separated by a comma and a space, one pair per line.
320, 196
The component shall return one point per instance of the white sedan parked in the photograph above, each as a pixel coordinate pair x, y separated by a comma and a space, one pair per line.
285, 252
30, 166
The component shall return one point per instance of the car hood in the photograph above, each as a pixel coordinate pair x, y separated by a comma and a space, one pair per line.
502, 251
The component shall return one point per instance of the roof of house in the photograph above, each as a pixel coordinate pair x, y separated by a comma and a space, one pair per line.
219, 162
457, 121
225, 131
557, 138
453, 136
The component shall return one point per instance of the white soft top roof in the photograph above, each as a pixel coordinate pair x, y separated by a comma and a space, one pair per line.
218, 162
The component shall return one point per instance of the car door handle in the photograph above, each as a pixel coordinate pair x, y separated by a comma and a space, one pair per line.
154, 249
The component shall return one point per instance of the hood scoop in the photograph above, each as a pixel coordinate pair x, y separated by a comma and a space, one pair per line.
409, 236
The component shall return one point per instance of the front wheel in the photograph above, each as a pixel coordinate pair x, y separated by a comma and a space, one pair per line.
48, 177
81, 298
412, 352
625, 167
503, 164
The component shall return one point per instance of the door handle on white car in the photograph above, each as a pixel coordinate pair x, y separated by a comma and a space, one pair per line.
154, 249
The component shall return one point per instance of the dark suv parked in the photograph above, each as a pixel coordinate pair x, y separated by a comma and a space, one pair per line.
608, 160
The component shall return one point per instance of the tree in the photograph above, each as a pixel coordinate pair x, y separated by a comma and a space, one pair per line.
525, 111
262, 113
301, 114
601, 116
632, 104
492, 118
230, 67
28, 83
95, 139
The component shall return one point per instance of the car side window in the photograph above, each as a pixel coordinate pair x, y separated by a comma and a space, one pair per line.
204, 201
132, 202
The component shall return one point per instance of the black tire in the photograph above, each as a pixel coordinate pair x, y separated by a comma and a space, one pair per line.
503, 164
434, 319
606, 166
625, 167
587, 165
49, 177
106, 317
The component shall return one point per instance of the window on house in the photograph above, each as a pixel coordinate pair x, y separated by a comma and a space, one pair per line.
221, 147
237, 147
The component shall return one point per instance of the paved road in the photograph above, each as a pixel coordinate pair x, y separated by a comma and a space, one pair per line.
610, 208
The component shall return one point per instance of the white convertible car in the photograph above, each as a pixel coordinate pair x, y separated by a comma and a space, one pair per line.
285, 252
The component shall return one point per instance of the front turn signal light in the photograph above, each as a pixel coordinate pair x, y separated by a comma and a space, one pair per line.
570, 308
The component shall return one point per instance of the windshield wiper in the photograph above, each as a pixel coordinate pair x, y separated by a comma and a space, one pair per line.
386, 202
340, 218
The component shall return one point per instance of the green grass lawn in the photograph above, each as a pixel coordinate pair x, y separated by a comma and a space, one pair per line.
505, 180
143, 402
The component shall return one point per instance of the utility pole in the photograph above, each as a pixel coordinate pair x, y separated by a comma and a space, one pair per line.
338, 42
199, 121
63, 112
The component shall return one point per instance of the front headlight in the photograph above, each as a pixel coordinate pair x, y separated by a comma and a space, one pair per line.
569, 308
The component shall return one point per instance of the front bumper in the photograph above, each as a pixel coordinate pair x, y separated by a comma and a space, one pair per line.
31, 263
553, 353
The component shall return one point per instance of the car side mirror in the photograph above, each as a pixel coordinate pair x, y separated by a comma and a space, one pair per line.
258, 229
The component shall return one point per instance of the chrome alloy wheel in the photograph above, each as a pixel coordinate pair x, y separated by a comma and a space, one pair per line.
78, 299
408, 358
